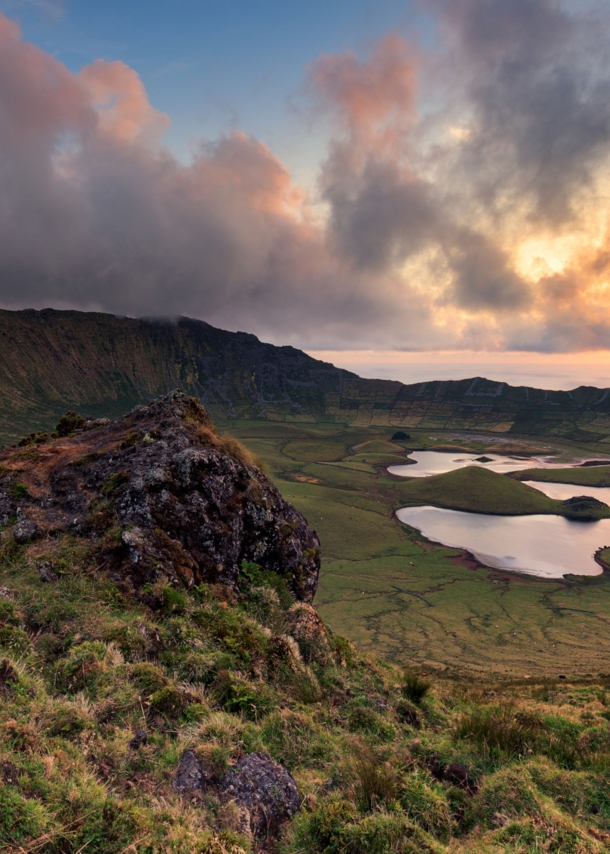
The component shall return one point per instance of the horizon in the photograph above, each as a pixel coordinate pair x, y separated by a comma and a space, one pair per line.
405, 178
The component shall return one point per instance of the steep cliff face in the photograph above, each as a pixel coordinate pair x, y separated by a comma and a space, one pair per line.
98, 364
162, 498
52, 361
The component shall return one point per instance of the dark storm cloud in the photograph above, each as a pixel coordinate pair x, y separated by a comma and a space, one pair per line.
538, 82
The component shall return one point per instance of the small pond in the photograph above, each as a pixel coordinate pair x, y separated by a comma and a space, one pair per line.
546, 546
437, 462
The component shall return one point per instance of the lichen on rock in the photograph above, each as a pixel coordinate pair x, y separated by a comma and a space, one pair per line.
264, 791
165, 498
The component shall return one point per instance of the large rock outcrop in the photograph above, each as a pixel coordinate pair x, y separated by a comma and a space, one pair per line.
163, 496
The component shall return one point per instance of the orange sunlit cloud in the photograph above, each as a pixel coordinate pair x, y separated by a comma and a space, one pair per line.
464, 194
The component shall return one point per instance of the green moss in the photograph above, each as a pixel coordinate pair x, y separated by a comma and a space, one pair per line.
17, 490
67, 720
114, 482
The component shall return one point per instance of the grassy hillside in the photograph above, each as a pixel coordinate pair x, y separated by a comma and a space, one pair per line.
386, 760
478, 490
52, 361
485, 728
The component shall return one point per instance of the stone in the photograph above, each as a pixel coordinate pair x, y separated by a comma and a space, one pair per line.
46, 572
190, 505
25, 531
140, 738
189, 776
264, 791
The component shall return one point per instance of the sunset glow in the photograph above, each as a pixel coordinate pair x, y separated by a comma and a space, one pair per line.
459, 200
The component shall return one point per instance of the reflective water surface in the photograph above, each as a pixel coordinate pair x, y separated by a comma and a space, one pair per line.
562, 491
437, 462
547, 546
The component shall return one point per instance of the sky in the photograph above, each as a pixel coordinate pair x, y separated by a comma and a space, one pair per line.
405, 188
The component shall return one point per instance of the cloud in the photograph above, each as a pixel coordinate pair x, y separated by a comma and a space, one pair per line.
120, 98
537, 86
426, 238
94, 213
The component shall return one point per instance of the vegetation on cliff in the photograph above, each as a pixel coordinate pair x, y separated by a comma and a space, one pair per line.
99, 364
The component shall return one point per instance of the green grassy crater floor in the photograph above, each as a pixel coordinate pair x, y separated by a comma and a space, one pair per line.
407, 600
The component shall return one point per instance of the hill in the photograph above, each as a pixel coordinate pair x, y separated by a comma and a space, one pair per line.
155, 701
479, 490
98, 364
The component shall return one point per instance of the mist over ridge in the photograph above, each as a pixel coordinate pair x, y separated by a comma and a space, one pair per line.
99, 364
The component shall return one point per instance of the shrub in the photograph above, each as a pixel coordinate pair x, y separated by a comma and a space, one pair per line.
407, 714
50, 647
238, 695
325, 828
204, 667
364, 719
147, 677
21, 819
14, 640
414, 688
253, 577
168, 700
174, 600
388, 833
578, 792
305, 687
333, 827
127, 639
17, 490
426, 805
69, 423
83, 665
236, 632
114, 482
508, 793
7, 613
52, 614
293, 738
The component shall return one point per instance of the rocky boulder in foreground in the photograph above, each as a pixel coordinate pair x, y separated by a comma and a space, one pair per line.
166, 498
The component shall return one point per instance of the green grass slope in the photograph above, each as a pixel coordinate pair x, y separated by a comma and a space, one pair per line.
406, 600
478, 490
386, 760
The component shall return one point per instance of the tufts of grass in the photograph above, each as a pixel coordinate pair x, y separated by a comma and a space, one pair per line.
502, 729
375, 781
219, 673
